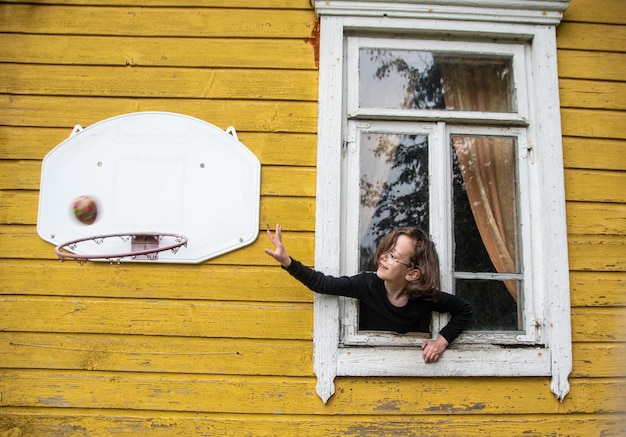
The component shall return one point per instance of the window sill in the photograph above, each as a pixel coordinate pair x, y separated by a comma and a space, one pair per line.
455, 361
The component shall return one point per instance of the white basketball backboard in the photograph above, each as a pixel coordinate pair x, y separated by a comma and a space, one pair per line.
153, 172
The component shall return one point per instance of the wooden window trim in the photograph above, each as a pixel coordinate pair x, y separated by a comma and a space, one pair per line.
527, 20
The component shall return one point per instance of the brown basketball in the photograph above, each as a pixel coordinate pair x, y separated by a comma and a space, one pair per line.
85, 209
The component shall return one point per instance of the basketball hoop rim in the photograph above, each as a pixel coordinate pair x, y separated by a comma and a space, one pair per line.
181, 240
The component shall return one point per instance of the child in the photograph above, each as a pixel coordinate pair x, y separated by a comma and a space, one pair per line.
400, 296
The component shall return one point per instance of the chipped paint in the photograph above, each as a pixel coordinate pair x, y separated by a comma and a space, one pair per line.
54, 401
315, 42
451, 408
390, 405
74, 367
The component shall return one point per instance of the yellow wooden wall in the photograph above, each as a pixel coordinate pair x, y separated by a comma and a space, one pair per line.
592, 77
225, 347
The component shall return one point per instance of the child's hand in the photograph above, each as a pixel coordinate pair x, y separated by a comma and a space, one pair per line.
432, 349
279, 253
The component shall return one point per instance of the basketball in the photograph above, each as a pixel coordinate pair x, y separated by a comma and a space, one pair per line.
85, 209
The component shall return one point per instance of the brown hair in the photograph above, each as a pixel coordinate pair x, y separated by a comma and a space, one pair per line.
424, 259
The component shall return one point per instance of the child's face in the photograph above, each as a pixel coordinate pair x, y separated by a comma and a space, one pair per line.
394, 264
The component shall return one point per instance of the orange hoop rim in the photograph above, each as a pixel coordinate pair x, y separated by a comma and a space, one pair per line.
180, 240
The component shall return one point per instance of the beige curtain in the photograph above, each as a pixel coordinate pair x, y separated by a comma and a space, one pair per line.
486, 163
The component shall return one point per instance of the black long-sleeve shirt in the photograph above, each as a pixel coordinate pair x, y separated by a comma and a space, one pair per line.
376, 312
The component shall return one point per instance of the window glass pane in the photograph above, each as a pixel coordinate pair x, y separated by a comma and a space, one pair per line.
485, 204
393, 187
486, 228
495, 309
412, 79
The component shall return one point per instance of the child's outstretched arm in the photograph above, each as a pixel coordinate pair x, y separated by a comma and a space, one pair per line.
279, 253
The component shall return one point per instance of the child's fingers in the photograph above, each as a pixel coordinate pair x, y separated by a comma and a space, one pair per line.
274, 239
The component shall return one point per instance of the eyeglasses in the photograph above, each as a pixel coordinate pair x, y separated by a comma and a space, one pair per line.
394, 259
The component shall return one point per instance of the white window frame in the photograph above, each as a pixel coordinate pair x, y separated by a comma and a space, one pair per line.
531, 22
369, 119
514, 51
440, 228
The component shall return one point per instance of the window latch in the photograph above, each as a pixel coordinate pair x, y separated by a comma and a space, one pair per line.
528, 151
349, 143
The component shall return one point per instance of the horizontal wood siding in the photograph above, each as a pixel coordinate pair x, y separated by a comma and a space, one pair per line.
592, 84
225, 347
221, 336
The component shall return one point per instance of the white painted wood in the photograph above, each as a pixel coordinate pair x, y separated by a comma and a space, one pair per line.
508, 11
529, 22
440, 220
328, 217
378, 338
380, 361
501, 118
351, 205
551, 228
